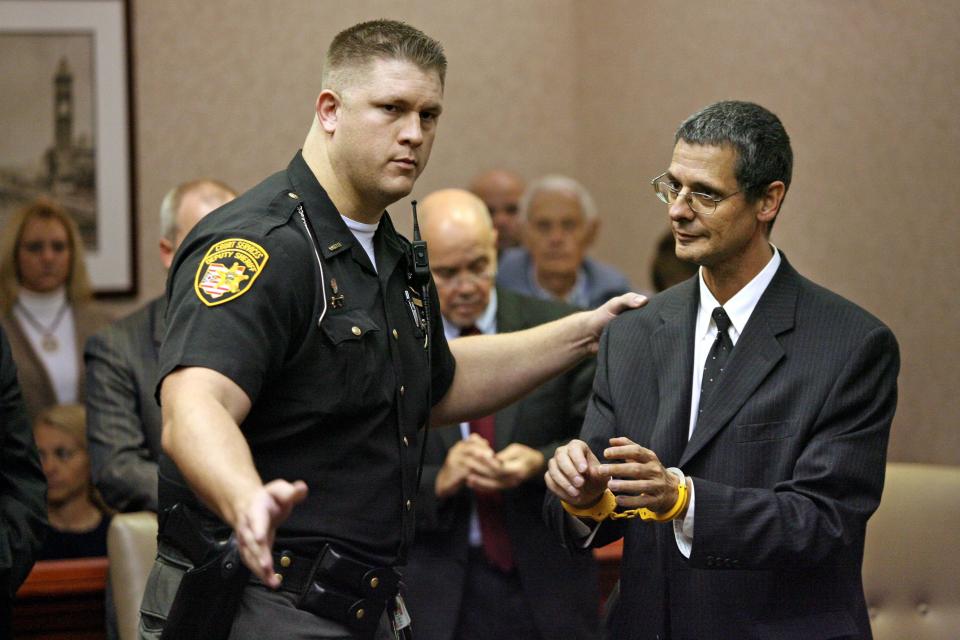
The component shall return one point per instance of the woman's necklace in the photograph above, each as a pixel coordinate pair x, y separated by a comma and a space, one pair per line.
48, 341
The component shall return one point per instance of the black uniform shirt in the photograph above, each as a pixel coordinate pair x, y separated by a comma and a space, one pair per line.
337, 402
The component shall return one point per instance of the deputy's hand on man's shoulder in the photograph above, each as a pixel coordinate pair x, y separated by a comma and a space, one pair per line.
600, 317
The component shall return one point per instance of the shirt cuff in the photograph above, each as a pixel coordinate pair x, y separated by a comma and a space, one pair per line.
582, 530
683, 529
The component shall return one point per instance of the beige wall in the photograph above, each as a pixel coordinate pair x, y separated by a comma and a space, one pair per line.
866, 90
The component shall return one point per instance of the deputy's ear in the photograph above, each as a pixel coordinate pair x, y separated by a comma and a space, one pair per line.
328, 110
770, 201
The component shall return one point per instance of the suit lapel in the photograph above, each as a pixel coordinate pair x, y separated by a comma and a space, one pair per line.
757, 352
672, 353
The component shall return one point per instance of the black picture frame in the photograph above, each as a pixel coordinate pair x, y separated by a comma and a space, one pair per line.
68, 124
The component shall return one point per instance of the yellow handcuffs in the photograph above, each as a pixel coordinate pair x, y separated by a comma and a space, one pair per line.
606, 506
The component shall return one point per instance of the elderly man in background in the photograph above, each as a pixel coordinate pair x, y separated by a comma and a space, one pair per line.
483, 563
560, 222
123, 418
501, 191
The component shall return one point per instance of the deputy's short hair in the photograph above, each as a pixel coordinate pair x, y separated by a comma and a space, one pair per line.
382, 40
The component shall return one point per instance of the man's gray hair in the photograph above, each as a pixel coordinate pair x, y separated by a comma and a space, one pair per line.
556, 183
171, 202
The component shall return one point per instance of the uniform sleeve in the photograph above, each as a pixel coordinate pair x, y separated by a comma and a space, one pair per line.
23, 499
242, 329
120, 459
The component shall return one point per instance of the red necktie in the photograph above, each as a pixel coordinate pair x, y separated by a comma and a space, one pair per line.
493, 529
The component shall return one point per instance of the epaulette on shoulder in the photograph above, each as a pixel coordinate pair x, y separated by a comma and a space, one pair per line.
283, 205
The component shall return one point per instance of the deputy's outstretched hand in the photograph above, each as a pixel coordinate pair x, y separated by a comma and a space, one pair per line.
257, 525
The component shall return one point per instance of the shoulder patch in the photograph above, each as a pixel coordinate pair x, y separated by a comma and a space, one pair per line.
228, 270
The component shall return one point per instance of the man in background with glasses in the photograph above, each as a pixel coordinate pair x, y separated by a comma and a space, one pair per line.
738, 429
483, 563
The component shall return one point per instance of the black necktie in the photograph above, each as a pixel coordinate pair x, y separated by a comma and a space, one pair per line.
717, 357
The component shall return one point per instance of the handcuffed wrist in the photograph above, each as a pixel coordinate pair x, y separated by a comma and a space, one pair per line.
598, 511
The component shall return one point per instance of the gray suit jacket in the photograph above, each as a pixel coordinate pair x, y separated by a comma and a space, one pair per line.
123, 418
561, 588
788, 463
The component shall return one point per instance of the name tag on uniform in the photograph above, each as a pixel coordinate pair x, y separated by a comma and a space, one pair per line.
415, 303
400, 618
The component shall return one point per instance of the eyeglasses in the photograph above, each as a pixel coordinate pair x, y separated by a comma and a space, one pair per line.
700, 203
466, 277
62, 454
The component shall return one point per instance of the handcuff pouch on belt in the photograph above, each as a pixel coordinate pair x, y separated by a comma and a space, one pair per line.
209, 593
348, 591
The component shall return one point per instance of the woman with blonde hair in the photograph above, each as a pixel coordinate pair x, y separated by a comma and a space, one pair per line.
45, 305
78, 517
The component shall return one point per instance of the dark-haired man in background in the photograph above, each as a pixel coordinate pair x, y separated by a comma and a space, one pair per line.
501, 190
746, 412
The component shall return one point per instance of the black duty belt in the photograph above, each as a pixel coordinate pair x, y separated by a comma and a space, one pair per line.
336, 586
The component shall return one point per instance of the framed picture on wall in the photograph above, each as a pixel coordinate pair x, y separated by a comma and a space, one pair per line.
66, 129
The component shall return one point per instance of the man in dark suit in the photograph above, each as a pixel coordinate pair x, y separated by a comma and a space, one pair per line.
756, 450
123, 418
23, 489
484, 564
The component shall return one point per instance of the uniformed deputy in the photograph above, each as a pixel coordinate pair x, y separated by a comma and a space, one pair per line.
299, 368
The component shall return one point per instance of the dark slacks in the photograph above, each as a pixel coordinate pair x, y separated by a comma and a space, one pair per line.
494, 605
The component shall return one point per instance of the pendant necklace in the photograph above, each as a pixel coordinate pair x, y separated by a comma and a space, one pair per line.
48, 340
